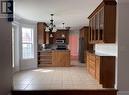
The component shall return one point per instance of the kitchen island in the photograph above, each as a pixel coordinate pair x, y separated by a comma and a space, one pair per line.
59, 58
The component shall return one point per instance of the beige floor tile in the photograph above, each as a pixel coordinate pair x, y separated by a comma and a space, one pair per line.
56, 86
67, 82
21, 82
19, 86
75, 77
67, 86
37, 87
56, 82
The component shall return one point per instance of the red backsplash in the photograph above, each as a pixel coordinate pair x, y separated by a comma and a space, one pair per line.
73, 46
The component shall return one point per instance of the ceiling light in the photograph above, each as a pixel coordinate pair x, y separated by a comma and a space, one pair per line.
51, 27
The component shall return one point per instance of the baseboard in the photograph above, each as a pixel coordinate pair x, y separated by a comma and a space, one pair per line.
67, 92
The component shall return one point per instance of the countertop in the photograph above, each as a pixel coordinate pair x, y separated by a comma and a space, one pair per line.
50, 50
101, 54
61, 50
45, 50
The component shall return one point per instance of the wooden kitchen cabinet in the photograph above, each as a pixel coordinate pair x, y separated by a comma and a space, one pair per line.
61, 58
107, 71
97, 74
102, 68
59, 34
41, 34
54, 58
102, 23
62, 33
47, 38
91, 64
50, 39
45, 58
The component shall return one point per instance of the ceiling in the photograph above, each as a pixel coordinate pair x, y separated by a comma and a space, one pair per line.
73, 13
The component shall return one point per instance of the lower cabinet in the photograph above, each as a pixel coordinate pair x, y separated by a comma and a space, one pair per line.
61, 58
45, 57
54, 58
97, 75
102, 68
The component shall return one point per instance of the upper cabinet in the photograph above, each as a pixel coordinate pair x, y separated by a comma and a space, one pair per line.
62, 33
41, 34
102, 23
59, 34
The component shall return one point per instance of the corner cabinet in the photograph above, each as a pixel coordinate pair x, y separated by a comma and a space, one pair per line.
102, 23
102, 68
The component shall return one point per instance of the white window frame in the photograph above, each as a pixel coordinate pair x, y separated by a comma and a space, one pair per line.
32, 43
13, 47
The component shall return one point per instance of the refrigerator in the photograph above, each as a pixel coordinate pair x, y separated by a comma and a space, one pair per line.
82, 47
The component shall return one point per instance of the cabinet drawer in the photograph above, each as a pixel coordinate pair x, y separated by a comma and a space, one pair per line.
92, 58
92, 62
92, 72
92, 66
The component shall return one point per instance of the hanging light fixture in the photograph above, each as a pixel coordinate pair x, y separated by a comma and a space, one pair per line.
63, 25
63, 35
51, 27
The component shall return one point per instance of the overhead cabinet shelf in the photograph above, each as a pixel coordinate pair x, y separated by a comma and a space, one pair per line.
102, 23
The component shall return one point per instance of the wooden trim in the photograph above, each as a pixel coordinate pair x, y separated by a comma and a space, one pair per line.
67, 92
105, 2
83, 28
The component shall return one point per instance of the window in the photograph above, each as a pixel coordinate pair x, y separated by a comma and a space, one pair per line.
27, 43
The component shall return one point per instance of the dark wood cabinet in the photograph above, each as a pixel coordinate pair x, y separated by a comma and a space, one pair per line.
50, 37
47, 37
41, 34
59, 34
61, 58
62, 33
102, 68
54, 58
44, 58
102, 24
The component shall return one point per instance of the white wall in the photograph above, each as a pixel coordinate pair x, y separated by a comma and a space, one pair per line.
16, 47
25, 64
5, 57
123, 47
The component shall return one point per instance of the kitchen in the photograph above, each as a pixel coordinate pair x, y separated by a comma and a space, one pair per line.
53, 47
68, 58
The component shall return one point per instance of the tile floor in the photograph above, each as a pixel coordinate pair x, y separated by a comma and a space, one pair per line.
47, 78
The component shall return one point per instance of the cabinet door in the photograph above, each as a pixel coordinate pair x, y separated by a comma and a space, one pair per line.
98, 68
101, 24
90, 31
88, 62
47, 37
41, 34
93, 29
97, 27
